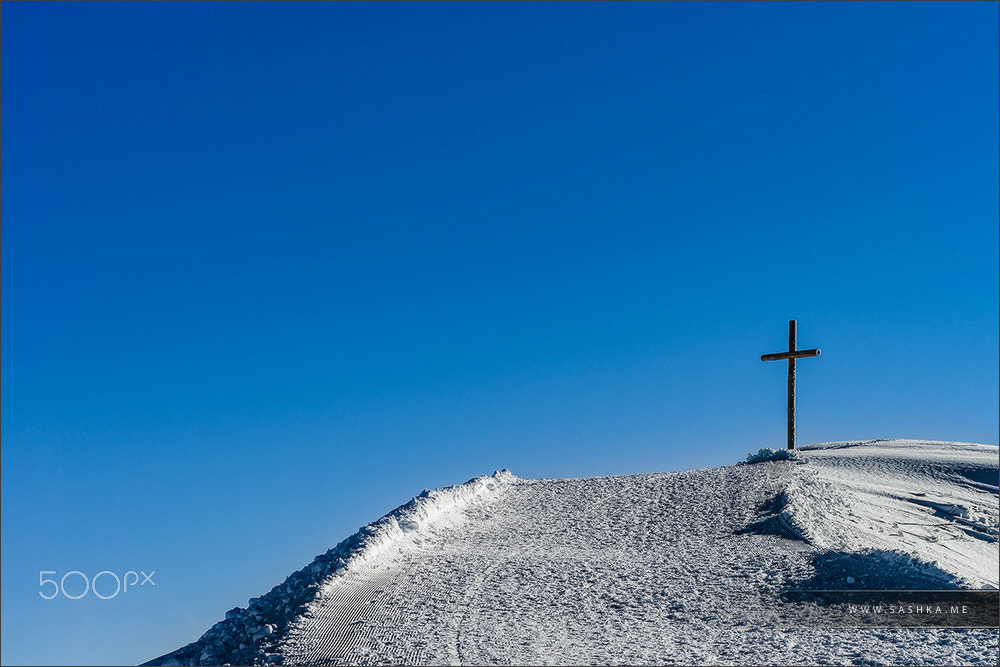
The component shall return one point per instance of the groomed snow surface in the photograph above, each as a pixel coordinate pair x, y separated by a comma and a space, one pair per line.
668, 568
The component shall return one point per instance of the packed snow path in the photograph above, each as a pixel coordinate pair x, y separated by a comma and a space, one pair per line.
600, 570
670, 568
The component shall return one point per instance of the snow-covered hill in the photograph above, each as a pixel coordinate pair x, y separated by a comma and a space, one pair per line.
687, 567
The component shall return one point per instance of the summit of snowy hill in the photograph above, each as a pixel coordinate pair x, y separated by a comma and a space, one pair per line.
687, 567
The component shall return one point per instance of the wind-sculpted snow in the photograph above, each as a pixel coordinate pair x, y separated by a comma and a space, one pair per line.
768, 454
669, 568
936, 501
248, 635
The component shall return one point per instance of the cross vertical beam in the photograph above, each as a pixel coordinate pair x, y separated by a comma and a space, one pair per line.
791, 355
791, 384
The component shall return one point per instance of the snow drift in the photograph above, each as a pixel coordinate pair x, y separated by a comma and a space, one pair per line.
935, 501
247, 635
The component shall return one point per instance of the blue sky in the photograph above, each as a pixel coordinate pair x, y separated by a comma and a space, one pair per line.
269, 270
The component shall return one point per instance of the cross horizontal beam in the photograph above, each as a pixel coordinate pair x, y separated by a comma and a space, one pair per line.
797, 354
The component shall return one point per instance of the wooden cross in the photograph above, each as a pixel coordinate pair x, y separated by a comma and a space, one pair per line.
792, 354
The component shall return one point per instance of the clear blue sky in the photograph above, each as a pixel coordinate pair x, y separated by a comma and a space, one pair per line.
269, 270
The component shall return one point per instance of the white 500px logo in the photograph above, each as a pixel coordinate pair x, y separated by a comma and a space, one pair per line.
91, 584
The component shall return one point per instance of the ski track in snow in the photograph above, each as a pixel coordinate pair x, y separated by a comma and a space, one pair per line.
667, 568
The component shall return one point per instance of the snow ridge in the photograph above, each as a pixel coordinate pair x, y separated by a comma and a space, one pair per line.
247, 636
925, 501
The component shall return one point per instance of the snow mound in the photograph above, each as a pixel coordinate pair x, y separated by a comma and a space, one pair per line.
248, 635
767, 454
933, 501
423, 516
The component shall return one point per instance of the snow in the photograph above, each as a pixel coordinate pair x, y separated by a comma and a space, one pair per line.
931, 500
685, 567
768, 454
